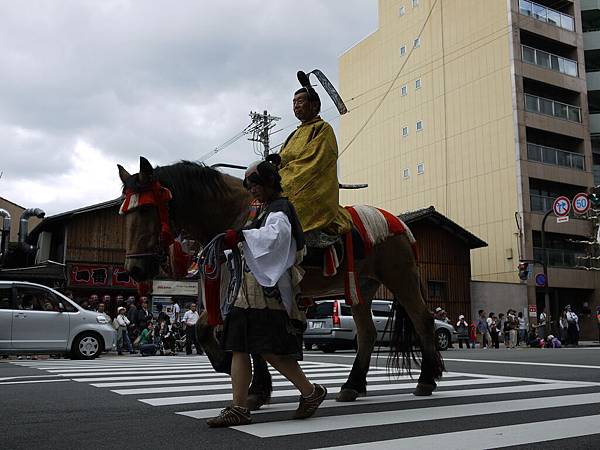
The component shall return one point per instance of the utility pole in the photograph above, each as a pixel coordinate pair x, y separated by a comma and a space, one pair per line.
260, 127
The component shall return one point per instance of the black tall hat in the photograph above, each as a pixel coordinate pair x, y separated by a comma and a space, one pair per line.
304, 80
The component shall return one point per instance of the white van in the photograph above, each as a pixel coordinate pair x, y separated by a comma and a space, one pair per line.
37, 319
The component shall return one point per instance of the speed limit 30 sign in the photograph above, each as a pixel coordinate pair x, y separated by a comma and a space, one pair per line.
581, 203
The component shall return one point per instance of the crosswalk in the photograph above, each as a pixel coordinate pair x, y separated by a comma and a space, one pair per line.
468, 407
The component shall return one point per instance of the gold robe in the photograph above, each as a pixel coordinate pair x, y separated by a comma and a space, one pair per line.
309, 178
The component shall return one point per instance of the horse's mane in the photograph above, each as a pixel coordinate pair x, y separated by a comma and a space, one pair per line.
188, 180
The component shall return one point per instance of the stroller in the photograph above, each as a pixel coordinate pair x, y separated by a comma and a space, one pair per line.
179, 337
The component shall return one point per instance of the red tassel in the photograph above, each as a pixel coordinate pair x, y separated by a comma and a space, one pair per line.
212, 292
178, 259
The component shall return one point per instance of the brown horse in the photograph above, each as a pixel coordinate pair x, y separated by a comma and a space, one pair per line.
206, 202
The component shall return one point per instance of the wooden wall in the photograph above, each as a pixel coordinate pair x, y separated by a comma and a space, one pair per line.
443, 258
97, 237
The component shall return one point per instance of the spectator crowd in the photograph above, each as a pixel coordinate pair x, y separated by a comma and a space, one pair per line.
512, 329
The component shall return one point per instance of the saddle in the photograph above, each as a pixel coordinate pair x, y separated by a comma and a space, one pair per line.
319, 247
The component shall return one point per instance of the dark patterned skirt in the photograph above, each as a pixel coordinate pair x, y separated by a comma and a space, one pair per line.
262, 331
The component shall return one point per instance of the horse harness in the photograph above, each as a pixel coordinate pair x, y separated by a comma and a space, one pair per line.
158, 196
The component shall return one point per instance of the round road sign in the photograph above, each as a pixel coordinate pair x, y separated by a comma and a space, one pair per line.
561, 206
581, 203
540, 280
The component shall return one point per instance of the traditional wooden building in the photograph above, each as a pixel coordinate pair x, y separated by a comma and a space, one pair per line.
88, 244
444, 260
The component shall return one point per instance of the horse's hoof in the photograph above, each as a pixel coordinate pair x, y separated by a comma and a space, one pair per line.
349, 395
424, 389
255, 402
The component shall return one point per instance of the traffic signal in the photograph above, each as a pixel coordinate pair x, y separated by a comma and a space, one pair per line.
523, 270
594, 200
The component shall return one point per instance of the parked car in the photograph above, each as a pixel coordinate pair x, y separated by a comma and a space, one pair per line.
331, 326
38, 319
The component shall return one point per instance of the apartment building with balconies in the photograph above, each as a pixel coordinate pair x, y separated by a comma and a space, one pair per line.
487, 120
590, 21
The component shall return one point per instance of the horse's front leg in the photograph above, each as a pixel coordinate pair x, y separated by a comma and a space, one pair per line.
366, 335
205, 335
260, 390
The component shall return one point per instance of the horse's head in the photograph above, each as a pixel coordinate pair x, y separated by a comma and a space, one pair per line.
147, 234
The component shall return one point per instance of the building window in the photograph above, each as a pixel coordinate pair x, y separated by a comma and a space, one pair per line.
406, 173
419, 125
404, 131
418, 83
437, 289
401, 11
404, 90
420, 168
402, 50
417, 42
415, 3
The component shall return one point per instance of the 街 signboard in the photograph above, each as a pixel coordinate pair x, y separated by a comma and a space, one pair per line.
171, 287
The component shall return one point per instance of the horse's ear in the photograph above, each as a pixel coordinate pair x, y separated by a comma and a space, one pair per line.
146, 170
123, 174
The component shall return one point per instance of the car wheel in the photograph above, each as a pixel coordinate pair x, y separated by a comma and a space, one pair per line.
442, 338
328, 349
308, 346
86, 346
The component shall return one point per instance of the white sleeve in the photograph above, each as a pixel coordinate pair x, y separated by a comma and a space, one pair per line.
270, 250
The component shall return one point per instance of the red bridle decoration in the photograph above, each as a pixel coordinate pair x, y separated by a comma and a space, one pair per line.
155, 195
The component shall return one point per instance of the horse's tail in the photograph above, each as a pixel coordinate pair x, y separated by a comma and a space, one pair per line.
404, 343
405, 349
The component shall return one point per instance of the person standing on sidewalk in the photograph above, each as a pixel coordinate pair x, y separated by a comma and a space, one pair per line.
541, 326
511, 326
189, 319
483, 330
522, 329
572, 327
462, 330
122, 334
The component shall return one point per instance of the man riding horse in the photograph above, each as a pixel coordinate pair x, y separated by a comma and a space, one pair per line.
309, 171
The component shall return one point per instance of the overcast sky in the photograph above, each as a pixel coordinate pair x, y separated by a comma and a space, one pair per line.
85, 85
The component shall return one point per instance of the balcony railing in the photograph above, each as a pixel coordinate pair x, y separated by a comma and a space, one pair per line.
562, 257
549, 61
553, 108
541, 203
548, 15
555, 156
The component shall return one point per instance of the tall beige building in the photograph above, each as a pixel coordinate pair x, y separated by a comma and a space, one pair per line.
487, 120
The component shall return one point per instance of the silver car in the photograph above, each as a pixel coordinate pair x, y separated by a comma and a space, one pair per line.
37, 319
330, 326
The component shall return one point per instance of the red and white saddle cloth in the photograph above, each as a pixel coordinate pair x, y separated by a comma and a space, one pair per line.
374, 226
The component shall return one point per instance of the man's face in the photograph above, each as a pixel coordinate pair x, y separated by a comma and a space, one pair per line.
304, 109
101, 307
193, 307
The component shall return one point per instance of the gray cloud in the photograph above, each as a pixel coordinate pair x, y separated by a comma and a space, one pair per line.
169, 80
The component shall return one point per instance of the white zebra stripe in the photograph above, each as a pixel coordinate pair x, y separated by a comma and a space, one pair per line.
290, 427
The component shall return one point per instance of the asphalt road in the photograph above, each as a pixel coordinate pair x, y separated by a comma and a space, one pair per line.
523, 398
